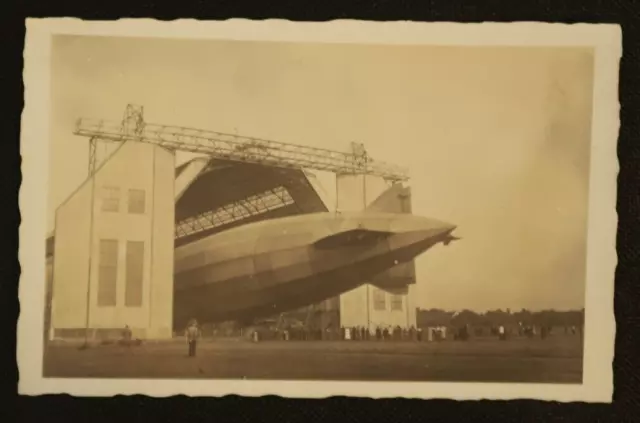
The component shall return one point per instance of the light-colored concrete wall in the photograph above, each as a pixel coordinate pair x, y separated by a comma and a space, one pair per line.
317, 186
163, 234
71, 260
355, 193
132, 166
357, 309
190, 173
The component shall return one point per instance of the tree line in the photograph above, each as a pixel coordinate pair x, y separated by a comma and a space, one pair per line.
550, 318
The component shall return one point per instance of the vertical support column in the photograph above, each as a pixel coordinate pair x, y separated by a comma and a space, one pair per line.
151, 244
161, 237
93, 151
354, 192
361, 155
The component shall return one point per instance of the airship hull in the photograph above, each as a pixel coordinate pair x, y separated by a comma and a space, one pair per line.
265, 269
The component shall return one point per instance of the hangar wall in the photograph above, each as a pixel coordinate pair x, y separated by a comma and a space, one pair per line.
368, 305
114, 241
48, 293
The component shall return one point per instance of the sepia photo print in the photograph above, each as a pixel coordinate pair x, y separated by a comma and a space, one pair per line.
421, 214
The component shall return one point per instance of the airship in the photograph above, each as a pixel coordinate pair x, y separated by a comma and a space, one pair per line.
268, 267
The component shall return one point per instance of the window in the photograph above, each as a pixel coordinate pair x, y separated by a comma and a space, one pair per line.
110, 199
257, 204
136, 201
108, 273
379, 299
396, 302
134, 274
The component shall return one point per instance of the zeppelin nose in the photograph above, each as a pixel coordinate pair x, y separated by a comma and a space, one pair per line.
423, 225
419, 234
433, 231
433, 227
447, 228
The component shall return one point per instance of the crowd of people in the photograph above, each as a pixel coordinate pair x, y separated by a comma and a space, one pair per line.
397, 333
193, 333
503, 332
356, 333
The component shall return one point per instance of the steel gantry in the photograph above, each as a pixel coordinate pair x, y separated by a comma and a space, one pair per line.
231, 147
254, 205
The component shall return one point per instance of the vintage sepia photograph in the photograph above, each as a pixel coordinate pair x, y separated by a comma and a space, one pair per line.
319, 210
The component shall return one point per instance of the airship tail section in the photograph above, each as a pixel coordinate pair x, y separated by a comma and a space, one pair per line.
396, 199
399, 277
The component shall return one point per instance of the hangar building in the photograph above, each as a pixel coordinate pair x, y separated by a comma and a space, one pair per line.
110, 260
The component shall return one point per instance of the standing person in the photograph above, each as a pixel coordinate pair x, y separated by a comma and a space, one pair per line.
501, 332
412, 333
127, 335
192, 334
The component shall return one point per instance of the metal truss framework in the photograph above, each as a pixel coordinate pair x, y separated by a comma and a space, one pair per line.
255, 205
234, 147
93, 147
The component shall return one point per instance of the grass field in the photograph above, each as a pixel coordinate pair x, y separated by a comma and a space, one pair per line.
557, 359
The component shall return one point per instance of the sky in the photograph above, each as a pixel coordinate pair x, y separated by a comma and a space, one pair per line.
497, 139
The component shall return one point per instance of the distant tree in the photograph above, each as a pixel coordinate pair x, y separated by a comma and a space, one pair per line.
494, 318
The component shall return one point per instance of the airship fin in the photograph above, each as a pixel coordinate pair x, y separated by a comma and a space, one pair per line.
353, 237
398, 277
396, 199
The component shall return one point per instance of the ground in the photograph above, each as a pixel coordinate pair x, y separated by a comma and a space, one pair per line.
557, 359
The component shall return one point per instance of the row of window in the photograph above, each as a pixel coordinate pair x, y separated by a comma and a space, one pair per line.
108, 273
380, 301
111, 200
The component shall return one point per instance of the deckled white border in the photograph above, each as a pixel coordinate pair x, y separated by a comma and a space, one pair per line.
602, 257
